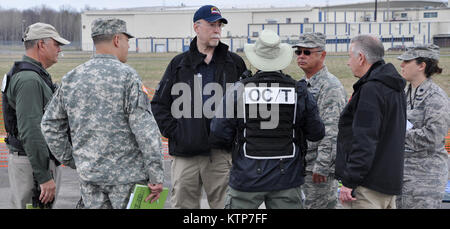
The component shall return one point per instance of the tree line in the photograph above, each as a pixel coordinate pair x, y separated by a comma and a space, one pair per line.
66, 20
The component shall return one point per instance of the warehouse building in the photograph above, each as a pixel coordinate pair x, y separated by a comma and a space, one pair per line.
397, 23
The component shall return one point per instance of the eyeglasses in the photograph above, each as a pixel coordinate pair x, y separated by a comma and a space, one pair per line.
298, 52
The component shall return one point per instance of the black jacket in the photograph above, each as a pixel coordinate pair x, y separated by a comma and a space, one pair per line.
262, 175
371, 139
188, 136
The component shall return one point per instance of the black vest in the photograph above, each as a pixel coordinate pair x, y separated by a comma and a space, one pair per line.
9, 113
268, 95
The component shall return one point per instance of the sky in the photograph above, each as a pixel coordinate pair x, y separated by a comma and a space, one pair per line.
114, 4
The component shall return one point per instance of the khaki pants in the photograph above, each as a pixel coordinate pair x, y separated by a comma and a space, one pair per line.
190, 174
370, 199
21, 180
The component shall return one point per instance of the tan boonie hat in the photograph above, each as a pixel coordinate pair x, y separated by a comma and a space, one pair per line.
41, 30
311, 40
420, 50
103, 26
268, 53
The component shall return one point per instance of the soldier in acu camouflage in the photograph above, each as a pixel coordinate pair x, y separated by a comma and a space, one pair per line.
115, 139
428, 114
320, 186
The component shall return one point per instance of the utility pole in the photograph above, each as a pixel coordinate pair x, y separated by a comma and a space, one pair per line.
375, 15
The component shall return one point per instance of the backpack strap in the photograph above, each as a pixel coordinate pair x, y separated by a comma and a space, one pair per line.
9, 113
20, 66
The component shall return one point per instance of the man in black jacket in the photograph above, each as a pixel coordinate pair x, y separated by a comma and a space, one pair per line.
371, 139
181, 104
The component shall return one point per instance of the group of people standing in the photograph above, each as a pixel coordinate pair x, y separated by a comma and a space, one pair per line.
385, 144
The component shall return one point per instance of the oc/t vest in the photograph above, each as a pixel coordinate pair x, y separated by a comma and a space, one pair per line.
9, 113
269, 106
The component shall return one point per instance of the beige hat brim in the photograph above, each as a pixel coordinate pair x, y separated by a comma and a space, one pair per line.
61, 40
58, 39
264, 64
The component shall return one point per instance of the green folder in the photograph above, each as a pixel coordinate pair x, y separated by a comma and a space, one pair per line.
140, 192
30, 206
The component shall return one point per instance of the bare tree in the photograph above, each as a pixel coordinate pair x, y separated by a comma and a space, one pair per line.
66, 20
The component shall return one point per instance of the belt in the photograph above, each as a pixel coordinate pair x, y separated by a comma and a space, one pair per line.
21, 153
330, 175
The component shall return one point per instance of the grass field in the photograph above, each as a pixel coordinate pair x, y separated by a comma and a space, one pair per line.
151, 67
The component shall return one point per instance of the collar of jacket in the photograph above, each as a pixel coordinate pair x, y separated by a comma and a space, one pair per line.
260, 73
104, 56
424, 87
35, 62
365, 77
316, 77
194, 57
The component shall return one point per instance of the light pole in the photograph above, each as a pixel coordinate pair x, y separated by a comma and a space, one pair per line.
375, 15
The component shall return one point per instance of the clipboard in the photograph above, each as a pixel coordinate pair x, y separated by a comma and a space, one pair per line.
140, 192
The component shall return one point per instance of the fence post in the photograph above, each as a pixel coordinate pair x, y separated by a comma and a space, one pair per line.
392, 40
137, 45
336, 44
348, 42
231, 44
151, 45
167, 44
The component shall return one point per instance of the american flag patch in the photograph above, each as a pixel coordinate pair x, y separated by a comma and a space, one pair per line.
215, 10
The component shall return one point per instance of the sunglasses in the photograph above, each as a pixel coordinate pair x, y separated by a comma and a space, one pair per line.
298, 52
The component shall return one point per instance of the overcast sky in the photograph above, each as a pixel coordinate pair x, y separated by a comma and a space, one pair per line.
113, 4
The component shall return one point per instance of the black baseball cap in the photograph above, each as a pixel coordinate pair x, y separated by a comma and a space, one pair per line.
209, 13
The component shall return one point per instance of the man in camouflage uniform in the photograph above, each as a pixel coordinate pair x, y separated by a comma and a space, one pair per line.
426, 170
320, 186
116, 142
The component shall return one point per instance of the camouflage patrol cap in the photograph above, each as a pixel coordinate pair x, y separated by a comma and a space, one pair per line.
311, 40
102, 26
421, 50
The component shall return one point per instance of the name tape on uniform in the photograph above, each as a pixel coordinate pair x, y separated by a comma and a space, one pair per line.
269, 95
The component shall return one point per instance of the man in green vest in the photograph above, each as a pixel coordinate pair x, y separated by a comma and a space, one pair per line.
28, 92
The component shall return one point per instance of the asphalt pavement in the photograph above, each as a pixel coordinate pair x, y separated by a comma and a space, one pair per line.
69, 193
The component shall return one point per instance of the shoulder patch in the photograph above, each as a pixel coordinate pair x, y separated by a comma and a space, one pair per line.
145, 90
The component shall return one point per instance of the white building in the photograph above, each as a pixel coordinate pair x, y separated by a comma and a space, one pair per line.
170, 29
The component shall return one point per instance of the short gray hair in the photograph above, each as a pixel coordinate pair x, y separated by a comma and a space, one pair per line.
370, 46
103, 38
31, 43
